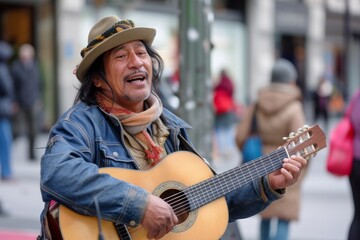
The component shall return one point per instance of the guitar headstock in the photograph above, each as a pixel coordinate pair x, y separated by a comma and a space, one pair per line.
307, 141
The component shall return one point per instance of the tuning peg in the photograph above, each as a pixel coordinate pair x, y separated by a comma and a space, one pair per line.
291, 135
303, 129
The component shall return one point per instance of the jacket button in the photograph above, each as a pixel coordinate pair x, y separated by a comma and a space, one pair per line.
132, 223
115, 154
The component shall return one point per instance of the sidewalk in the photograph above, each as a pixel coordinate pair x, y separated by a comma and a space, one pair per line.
20, 198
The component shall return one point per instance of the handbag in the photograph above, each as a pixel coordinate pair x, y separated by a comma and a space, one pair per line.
341, 151
252, 147
223, 103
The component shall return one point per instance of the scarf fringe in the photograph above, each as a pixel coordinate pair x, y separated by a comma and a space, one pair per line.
153, 154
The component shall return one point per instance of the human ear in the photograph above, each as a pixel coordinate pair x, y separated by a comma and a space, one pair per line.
97, 82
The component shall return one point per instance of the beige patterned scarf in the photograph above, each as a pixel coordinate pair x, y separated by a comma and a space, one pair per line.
136, 123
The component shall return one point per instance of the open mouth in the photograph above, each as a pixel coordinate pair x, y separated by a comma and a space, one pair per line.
136, 77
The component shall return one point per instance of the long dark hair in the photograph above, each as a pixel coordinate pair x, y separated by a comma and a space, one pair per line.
87, 90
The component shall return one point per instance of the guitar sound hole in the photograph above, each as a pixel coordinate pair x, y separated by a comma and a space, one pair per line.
179, 203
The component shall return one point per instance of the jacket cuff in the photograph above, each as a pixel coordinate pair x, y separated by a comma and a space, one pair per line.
135, 206
269, 194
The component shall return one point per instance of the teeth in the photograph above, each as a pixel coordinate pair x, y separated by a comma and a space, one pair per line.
136, 79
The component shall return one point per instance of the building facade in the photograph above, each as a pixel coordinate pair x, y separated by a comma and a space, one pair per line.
318, 36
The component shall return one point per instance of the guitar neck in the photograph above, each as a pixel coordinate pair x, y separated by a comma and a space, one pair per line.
221, 184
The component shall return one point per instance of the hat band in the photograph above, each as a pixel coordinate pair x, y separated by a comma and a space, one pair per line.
116, 28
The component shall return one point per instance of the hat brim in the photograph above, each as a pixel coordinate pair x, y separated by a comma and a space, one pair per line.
138, 33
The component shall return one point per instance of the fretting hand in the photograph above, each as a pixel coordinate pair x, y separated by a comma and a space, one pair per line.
288, 174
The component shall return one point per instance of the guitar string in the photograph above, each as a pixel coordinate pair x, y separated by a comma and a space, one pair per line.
195, 191
185, 207
268, 155
208, 184
261, 174
197, 194
232, 181
179, 197
233, 177
264, 168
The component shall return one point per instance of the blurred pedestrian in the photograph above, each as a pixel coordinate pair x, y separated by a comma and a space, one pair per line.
322, 97
225, 117
26, 73
6, 111
354, 178
279, 112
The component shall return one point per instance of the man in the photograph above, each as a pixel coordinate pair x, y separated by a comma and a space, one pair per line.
118, 121
26, 73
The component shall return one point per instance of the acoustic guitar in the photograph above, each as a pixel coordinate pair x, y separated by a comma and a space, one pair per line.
196, 195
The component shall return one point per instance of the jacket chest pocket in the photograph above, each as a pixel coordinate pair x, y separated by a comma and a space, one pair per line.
114, 156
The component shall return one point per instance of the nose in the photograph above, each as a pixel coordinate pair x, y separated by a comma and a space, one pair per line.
135, 61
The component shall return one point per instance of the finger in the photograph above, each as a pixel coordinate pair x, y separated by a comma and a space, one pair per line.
175, 219
291, 168
288, 162
161, 233
287, 174
299, 159
171, 224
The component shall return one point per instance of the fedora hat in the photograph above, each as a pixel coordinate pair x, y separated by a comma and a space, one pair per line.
106, 34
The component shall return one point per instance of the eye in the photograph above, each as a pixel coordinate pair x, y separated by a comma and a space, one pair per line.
142, 53
121, 56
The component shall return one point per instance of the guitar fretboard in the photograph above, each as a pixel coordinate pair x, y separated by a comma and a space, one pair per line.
221, 184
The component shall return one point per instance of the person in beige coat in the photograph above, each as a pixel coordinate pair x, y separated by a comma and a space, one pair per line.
279, 112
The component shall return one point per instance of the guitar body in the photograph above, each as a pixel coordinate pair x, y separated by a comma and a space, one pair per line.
177, 171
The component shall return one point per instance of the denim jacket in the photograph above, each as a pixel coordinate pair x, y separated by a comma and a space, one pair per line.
85, 138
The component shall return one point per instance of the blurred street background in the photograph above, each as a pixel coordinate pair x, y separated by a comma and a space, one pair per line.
197, 40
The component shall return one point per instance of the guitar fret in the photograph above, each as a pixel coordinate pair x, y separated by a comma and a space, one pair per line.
122, 232
257, 170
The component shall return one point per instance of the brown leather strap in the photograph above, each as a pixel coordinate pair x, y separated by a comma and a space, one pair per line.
54, 227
